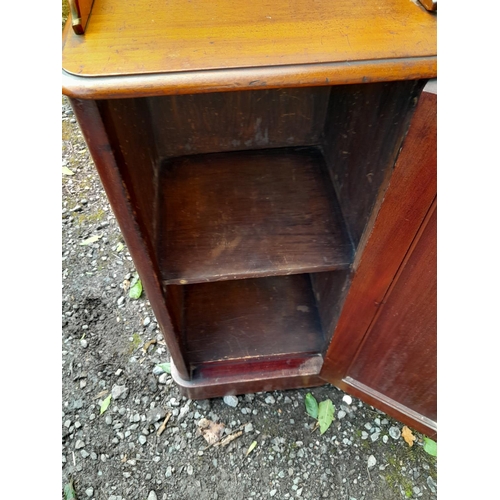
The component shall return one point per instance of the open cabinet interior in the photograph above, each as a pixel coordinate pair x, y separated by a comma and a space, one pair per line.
253, 206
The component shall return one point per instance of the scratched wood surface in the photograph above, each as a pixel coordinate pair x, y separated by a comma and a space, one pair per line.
251, 318
248, 214
154, 38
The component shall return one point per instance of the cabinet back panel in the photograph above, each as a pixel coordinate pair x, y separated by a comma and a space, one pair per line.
233, 121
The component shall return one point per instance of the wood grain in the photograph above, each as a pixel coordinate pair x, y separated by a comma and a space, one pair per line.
251, 319
241, 215
405, 204
141, 37
235, 121
364, 129
398, 357
109, 169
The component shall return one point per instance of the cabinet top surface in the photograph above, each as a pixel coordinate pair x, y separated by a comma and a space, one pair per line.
146, 37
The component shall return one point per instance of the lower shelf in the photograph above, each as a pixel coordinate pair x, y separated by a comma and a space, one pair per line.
246, 320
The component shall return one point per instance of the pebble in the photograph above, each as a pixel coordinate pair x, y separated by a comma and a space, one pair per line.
152, 495
119, 392
347, 399
431, 484
371, 461
249, 427
163, 378
368, 426
108, 419
394, 432
79, 444
84, 454
142, 439
231, 401
168, 472
190, 470
120, 300
375, 436
89, 491
341, 414
84, 343
272, 493
385, 438
270, 400
157, 370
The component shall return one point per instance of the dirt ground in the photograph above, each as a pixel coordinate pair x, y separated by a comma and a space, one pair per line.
111, 344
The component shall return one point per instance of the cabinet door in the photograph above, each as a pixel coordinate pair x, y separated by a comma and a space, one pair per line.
384, 346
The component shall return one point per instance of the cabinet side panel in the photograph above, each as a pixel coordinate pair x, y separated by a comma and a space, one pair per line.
406, 202
128, 125
364, 129
233, 121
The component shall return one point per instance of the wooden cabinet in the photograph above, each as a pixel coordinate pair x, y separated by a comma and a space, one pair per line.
275, 191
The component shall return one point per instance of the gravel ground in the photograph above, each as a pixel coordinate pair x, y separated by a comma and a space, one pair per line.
111, 344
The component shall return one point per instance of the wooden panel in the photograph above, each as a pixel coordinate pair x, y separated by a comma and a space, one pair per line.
240, 215
108, 167
330, 289
144, 37
252, 318
398, 357
259, 376
128, 126
405, 204
217, 122
271, 77
364, 130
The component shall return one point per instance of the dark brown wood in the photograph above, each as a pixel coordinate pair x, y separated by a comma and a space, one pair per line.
236, 121
241, 215
390, 236
398, 356
364, 130
251, 318
250, 159
108, 167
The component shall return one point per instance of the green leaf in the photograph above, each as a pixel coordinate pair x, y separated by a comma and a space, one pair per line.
69, 491
67, 171
251, 448
120, 247
311, 405
165, 367
90, 240
325, 415
430, 446
135, 290
105, 404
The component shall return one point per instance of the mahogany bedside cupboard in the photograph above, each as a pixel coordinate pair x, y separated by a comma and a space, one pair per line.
273, 172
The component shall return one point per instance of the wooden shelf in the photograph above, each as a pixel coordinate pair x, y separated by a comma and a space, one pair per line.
251, 319
248, 214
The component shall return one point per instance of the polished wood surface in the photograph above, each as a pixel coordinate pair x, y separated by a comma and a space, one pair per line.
241, 215
80, 12
404, 206
187, 46
398, 357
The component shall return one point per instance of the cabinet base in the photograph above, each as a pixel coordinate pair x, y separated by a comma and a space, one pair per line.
305, 374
